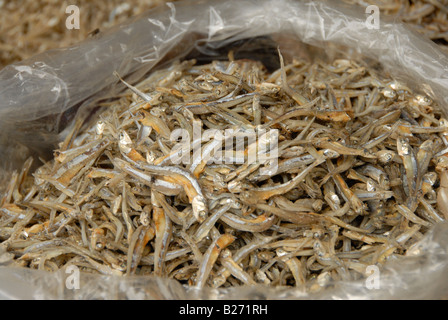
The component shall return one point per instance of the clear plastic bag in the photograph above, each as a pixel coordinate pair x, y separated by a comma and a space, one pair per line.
39, 98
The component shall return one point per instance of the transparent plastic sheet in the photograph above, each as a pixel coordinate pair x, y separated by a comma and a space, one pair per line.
39, 98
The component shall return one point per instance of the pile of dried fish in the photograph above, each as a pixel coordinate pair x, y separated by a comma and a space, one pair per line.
30, 27
428, 17
346, 173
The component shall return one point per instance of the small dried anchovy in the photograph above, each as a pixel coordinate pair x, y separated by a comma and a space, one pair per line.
157, 185
428, 17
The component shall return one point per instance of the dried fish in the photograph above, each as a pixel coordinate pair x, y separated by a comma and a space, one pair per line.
280, 181
427, 17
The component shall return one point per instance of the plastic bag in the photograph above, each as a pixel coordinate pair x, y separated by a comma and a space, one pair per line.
39, 98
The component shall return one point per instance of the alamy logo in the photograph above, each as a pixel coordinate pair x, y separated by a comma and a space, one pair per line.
230, 146
373, 277
72, 281
373, 20
72, 21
